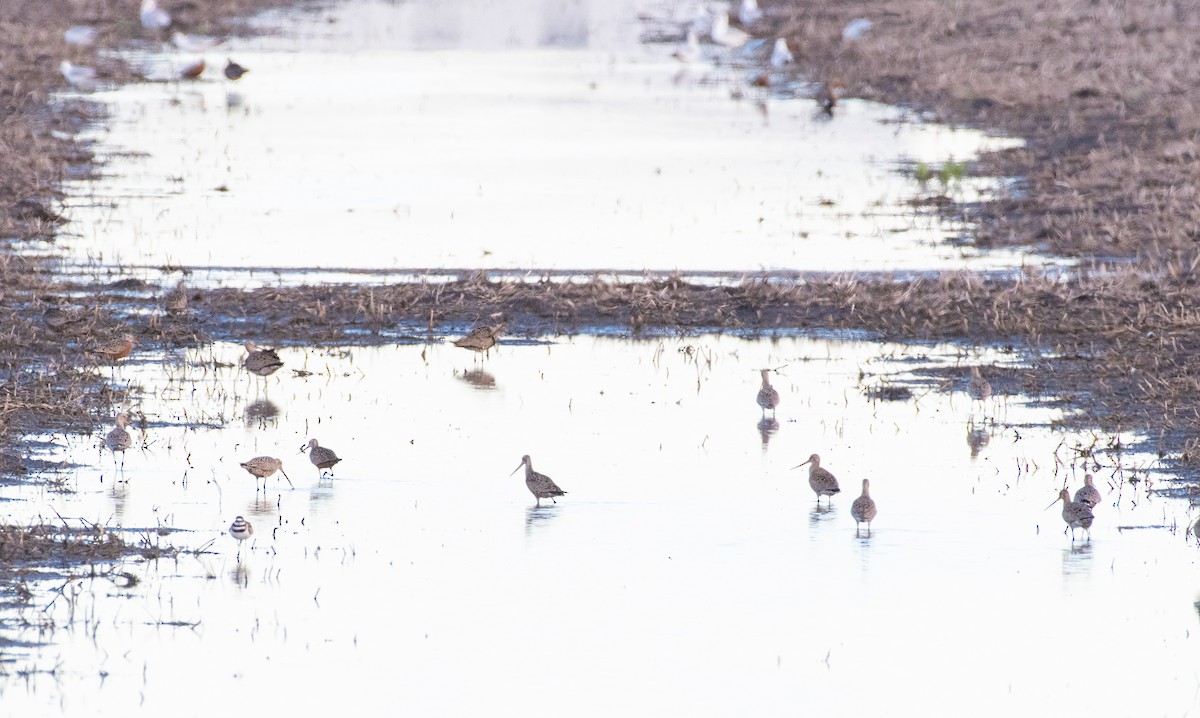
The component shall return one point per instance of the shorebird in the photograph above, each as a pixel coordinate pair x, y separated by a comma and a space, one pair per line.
828, 95
1077, 515
781, 55
241, 530
61, 319
114, 349
80, 77
1088, 494
863, 509
722, 34
749, 12
81, 35
193, 70
260, 361
176, 301
767, 397
322, 457
1196, 530
119, 440
540, 485
481, 338
234, 71
153, 17
263, 467
978, 388
821, 481
689, 51
194, 43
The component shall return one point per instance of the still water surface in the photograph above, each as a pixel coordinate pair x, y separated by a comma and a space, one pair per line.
688, 570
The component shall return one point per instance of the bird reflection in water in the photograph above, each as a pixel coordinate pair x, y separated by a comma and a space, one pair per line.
479, 379
766, 427
261, 412
977, 438
240, 575
537, 517
820, 514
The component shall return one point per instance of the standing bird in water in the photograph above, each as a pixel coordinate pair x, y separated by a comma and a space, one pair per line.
1077, 515
481, 338
262, 467
241, 530
540, 485
321, 457
821, 481
1088, 493
978, 388
119, 440
260, 361
863, 509
767, 397
114, 349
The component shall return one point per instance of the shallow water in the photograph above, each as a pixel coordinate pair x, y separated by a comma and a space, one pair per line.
375, 139
688, 569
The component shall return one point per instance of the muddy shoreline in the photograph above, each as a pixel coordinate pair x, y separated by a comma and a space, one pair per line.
1124, 333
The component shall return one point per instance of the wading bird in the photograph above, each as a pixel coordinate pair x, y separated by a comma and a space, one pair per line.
234, 71
241, 530
1077, 515
1088, 494
540, 485
321, 457
767, 397
118, 440
260, 361
263, 467
863, 509
821, 481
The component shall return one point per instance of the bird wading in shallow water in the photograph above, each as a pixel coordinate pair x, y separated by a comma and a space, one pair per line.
481, 338
262, 467
234, 71
1088, 494
863, 509
540, 485
1076, 515
767, 397
260, 361
241, 530
118, 440
322, 457
821, 481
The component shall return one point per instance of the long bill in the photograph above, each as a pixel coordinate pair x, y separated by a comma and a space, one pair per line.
289, 480
799, 465
516, 469
1052, 503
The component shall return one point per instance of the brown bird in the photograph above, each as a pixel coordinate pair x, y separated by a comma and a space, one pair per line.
260, 361
767, 397
978, 388
63, 319
176, 301
192, 70
828, 95
234, 71
821, 481
1077, 515
321, 457
481, 338
114, 349
540, 485
118, 440
1088, 493
863, 509
262, 467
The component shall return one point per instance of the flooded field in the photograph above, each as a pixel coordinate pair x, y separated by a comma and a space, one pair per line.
375, 140
688, 568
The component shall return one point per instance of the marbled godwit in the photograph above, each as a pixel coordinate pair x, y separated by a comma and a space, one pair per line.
234, 71
821, 481
978, 388
61, 319
119, 440
262, 362
176, 301
781, 56
863, 509
749, 12
114, 349
767, 397
262, 467
153, 17
321, 457
481, 338
1088, 494
540, 485
1076, 514
241, 530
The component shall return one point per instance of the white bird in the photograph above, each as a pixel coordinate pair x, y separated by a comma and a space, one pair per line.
689, 51
80, 76
748, 12
781, 55
82, 35
722, 34
154, 17
194, 43
856, 29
